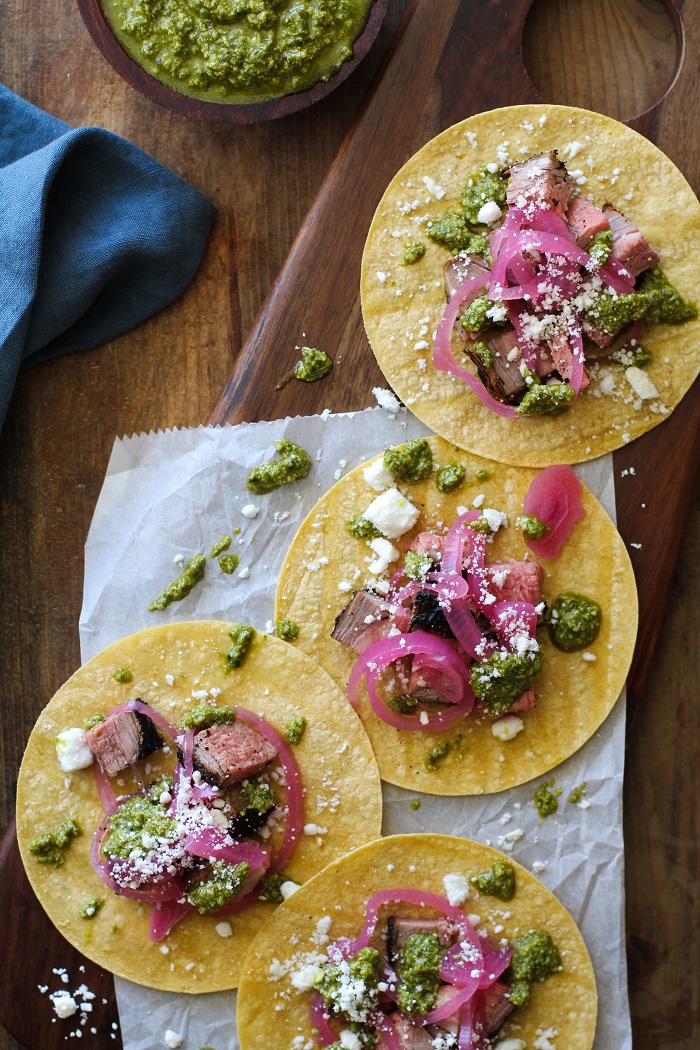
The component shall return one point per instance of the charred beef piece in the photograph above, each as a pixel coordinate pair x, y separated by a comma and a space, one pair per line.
503, 378
398, 930
247, 821
497, 1007
541, 181
426, 615
524, 702
123, 739
410, 1036
563, 354
585, 220
629, 245
602, 339
227, 754
458, 270
351, 626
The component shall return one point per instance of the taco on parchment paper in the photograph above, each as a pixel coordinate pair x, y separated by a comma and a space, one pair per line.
270, 778
552, 349
480, 677
357, 957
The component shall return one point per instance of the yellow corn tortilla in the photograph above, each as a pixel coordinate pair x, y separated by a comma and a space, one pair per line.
271, 1013
401, 314
340, 776
573, 695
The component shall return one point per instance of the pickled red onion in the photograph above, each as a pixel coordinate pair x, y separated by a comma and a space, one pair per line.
215, 844
104, 790
165, 916
554, 497
294, 787
495, 962
445, 659
512, 619
319, 1020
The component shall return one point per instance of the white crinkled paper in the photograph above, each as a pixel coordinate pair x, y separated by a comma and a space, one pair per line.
176, 493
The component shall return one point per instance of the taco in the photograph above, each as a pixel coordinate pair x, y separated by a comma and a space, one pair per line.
178, 786
527, 284
418, 942
489, 655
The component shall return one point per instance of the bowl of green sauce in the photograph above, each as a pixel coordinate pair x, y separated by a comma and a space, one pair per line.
238, 61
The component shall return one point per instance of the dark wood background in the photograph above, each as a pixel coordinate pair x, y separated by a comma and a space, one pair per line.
613, 55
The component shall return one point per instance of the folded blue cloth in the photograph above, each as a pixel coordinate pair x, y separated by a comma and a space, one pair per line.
94, 237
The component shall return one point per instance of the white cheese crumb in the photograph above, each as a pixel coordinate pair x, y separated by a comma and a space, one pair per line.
288, 888
511, 1044
495, 518
244, 573
385, 399
381, 276
250, 511
178, 559
478, 500
573, 149
350, 1040
172, 1039
538, 866
377, 476
223, 929
489, 213
392, 513
386, 553
314, 829
303, 980
63, 1003
344, 586
432, 187
543, 1042
641, 383
424, 718
588, 657
456, 889
72, 751
543, 120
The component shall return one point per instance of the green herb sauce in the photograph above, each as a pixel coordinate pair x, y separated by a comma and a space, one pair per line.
138, 816
314, 365
271, 888
295, 729
412, 252
499, 881
228, 563
94, 720
577, 794
90, 910
122, 675
405, 705
600, 248
453, 232
257, 795
503, 677
450, 477
411, 461
482, 351
666, 305
545, 800
415, 804
574, 621
483, 186
287, 630
636, 356
436, 755
192, 573
535, 958
218, 886
531, 527
419, 972
483, 475
223, 545
362, 528
294, 463
203, 716
416, 565
548, 399
48, 848
242, 635
367, 967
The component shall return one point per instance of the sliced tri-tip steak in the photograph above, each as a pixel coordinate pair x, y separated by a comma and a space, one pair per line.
563, 355
409, 1036
585, 220
227, 754
603, 340
629, 245
364, 620
497, 1007
515, 581
398, 930
524, 703
458, 270
541, 181
503, 378
426, 615
122, 739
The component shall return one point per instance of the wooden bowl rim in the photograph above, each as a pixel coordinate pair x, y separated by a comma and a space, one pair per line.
138, 78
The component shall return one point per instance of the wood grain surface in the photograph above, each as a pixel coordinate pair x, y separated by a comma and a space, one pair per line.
65, 414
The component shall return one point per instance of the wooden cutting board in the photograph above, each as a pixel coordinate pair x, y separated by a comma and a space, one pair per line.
449, 59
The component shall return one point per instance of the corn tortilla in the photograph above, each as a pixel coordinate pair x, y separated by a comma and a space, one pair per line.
272, 1014
402, 313
574, 695
274, 680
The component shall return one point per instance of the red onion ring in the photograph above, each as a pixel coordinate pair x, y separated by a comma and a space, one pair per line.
166, 890
294, 788
164, 917
512, 618
496, 962
319, 1020
554, 496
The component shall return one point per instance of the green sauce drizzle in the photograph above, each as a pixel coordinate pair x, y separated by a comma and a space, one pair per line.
294, 463
192, 573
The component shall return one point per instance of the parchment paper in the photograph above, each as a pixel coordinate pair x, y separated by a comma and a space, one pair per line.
175, 493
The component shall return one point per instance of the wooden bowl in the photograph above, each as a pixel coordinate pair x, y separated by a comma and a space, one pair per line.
220, 112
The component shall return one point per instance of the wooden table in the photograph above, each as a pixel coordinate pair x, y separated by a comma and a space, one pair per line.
64, 417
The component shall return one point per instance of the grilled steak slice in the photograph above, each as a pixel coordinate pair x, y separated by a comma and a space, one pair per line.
541, 181
426, 615
503, 378
248, 821
585, 220
123, 739
524, 702
227, 754
364, 620
398, 931
429, 543
410, 1036
515, 581
602, 339
563, 355
629, 245
449, 1024
497, 1007
460, 269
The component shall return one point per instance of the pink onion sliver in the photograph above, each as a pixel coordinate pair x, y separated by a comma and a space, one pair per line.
459, 970
453, 553
389, 1035
496, 961
160, 891
512, 618
554, 497
442, 350
186, 744
617, 276
472, 1031
406, 592
465, 630
215, 844
398, 895
245, 897
164, 917
452, 1005
294, 788
577, 351
104, 790
319, 1020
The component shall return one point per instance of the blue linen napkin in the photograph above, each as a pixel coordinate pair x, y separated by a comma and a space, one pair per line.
95, 237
